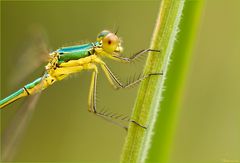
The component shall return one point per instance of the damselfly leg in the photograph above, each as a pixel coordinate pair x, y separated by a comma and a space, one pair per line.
114, 81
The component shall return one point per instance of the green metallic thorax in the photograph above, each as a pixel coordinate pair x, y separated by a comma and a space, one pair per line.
75, 52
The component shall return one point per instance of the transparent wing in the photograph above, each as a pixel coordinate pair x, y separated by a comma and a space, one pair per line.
14, 132
34, 53
31, 57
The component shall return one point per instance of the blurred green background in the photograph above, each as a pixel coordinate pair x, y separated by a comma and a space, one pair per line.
61, 129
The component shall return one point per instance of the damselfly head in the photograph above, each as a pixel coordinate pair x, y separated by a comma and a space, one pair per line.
110, 42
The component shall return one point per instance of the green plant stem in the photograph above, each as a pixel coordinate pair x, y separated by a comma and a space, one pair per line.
165, 125
150, 92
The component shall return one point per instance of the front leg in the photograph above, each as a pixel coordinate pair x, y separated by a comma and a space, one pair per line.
134, 56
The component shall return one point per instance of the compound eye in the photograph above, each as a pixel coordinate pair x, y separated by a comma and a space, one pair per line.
110, 42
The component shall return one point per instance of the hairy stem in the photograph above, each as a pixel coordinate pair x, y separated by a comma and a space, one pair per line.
150, 92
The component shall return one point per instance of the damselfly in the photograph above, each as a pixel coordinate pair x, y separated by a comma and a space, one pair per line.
69, 60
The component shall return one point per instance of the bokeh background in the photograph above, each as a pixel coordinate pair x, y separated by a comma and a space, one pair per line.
61, 129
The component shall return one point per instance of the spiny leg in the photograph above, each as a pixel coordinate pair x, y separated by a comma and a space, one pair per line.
117, 84
113, 79
134, 56
92, 98
109, 119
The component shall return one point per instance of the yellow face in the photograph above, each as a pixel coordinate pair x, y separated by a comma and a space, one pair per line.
110, 42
